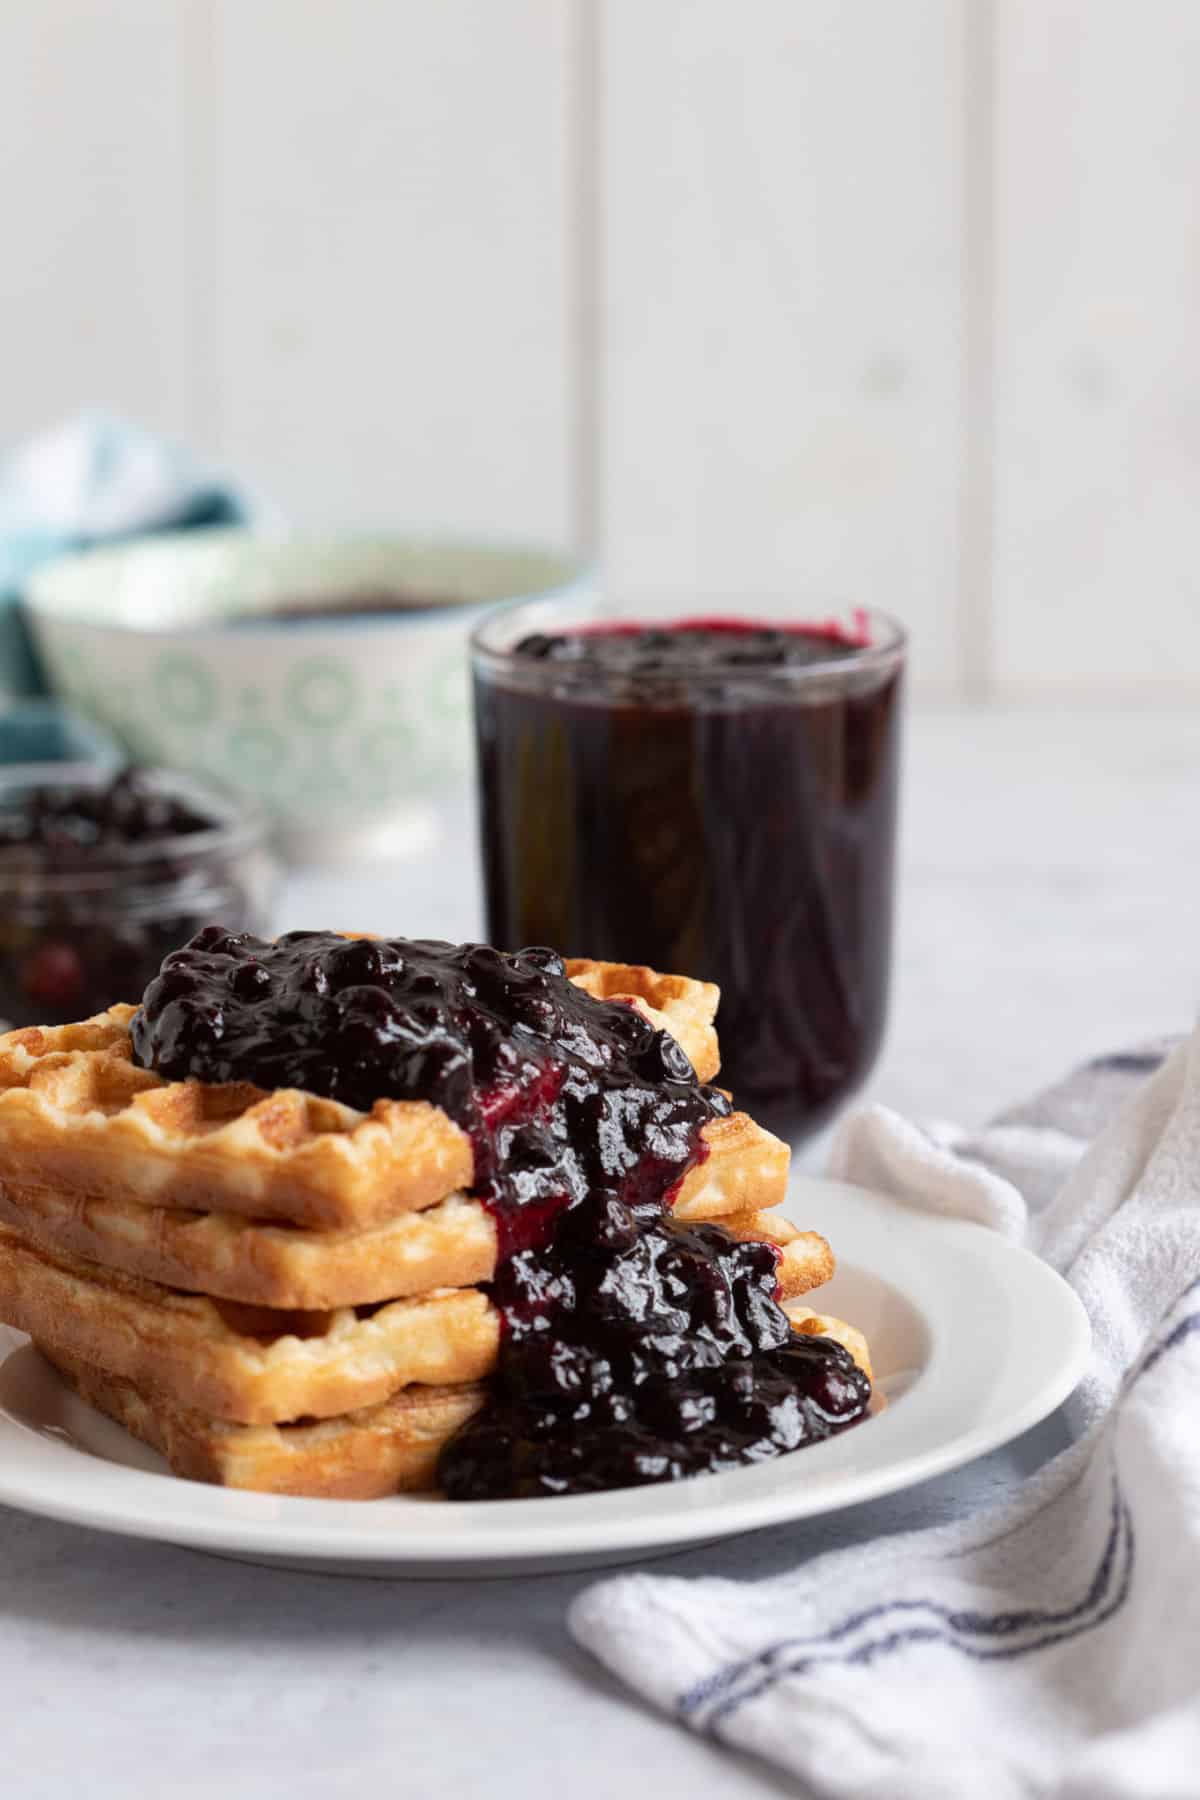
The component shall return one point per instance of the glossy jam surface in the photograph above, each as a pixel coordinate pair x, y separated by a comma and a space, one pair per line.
633, 1350
673, 796
688, 647
88, 904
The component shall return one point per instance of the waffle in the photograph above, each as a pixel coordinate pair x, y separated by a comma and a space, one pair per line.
364, 1455
255, 1365
805, 1260
452, 1244
251, 1365
673, 1003
824, 1325
392, 1448
77, 1117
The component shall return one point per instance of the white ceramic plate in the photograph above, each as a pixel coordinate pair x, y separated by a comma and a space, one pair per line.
973, 1341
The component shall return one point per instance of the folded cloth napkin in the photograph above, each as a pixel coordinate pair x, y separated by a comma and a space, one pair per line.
1049, 1647
84, 482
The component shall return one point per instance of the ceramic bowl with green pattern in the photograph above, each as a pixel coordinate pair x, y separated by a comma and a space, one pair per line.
327, 676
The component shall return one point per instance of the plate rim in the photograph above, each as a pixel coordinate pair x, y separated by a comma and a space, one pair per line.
201, 1517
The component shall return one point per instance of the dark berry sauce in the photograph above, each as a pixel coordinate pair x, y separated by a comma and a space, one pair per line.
716, 795
688, 646
98, 881
65, 826
364, 602
633, 1350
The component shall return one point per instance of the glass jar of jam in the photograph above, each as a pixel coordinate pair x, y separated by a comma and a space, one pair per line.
713, 796
102, 875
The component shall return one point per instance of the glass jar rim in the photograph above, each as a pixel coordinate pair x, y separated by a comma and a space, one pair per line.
884, 651
239, 826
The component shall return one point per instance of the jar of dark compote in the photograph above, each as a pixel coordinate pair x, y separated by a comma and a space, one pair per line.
101, 875
713, 796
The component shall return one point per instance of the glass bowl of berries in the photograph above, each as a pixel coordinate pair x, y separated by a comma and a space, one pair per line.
102, 875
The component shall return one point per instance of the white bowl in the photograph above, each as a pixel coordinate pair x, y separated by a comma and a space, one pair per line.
345, 727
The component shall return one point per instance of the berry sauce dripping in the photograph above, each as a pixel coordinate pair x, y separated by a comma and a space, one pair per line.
633, 1349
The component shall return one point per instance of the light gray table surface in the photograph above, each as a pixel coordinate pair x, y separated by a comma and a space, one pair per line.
1049, 870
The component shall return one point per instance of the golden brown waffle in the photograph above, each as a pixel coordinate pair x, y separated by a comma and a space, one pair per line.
77, 1117
824, 1325
252, 1365
745, 1169
255, 1365
365, 1455
674, 1003
387, 1449
805, 1261
452, 1244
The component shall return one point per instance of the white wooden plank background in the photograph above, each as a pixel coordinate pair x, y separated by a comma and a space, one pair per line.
1097, 571
94, 264
836, 300
393, 260
784, 313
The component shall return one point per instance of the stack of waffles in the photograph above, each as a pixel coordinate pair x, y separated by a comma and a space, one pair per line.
276, 1291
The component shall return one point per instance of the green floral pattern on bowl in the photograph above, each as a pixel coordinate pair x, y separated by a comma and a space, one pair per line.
334, 723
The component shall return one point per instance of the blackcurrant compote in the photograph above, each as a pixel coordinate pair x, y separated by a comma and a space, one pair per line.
715, 794
633, 1349
101, 875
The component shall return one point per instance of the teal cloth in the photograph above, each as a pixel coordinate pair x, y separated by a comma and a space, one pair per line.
42, 731
93, 480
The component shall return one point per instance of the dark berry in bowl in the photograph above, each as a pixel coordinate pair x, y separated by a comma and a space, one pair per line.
102, 876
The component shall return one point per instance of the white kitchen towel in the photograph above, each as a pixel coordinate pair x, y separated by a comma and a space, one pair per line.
1051, 1646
